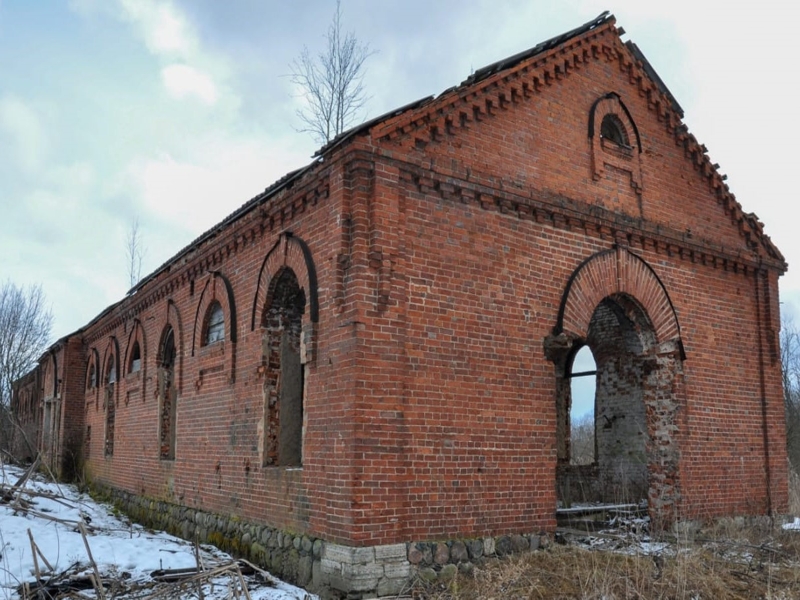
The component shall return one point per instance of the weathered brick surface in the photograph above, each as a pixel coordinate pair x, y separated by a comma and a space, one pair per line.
439, 251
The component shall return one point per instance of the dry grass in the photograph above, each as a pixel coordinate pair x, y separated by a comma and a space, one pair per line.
707, 572
728, 561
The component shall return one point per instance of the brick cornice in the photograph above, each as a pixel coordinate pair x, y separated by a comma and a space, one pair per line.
568, 214
453, 110
750, 228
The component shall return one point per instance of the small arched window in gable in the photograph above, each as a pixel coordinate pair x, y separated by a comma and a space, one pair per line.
136, 359
615, 140
613, 130
215, 327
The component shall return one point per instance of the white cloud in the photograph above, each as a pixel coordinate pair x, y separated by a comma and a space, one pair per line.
165, 30
182, 81
198, 191
24, 127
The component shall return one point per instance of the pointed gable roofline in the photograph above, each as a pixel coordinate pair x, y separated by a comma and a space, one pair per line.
527, 73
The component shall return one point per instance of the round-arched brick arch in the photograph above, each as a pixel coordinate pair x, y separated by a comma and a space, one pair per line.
216, 288
173, 320
290, 251
609, 272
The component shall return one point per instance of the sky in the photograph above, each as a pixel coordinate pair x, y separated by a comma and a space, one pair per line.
174, 113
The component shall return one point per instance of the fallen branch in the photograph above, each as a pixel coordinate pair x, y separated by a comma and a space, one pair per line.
98, 582
10, 494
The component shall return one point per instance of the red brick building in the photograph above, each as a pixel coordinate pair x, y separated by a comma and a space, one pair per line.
375, 354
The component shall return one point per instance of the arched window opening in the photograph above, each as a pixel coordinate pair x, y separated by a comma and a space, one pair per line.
601, 401
613, 130
215, 328
284, 372
92, 379
111, 408
583, 384
136, 359
167, 395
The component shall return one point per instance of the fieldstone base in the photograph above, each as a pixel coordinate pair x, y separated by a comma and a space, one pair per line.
334, 571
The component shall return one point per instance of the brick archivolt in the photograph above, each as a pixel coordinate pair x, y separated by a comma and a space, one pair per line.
290, 252
216, 288
610, 272
172, 319
110, 359
136, 335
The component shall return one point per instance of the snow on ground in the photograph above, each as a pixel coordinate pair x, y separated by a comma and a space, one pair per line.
117, 546
793, 525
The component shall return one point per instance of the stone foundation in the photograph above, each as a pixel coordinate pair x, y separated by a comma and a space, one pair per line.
334, 571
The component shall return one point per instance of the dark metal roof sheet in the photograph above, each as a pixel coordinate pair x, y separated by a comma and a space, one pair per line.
346, 135
511, 61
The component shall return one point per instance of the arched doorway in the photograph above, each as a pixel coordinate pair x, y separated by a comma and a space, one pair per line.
638, 358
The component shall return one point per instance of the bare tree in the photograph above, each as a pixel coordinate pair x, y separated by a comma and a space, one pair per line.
331, 82
582, 440
134, 253
790, 365
25, 324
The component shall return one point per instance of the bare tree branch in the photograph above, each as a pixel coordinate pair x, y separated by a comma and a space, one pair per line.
331, 82
790, 370
134, 253
25, 324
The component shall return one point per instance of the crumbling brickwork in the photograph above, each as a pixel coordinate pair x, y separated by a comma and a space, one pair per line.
400, 317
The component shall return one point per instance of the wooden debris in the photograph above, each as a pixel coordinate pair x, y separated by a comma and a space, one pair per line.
97, 580
80, 577
11, 493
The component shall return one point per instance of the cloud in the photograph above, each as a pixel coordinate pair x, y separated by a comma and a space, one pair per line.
187, 71
165, 29
182, 81
21, 123
200, 189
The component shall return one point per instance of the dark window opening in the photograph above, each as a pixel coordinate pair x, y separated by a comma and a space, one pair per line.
136, 359
613, 130
284, 372
215, 329
92, 377
167, 396
111, 408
